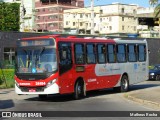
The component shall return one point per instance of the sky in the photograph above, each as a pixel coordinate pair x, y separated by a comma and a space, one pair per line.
142, 3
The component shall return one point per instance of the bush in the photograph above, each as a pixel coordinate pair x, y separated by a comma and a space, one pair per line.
9, 77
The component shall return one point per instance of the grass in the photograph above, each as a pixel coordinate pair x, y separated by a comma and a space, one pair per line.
8, 76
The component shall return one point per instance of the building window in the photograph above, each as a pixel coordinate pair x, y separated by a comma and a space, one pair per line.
86, 15
122, 27
94, 24
43, 9
134, 28
110, 27
101, 11
122, 10
110, 19
122, 18
9, 55
66, 22
81, 15
134, 11
100, 19
74, 23
81, 24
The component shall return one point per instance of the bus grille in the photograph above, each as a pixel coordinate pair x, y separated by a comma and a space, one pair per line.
26, 89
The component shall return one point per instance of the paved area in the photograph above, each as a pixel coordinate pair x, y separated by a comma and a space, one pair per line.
149, 97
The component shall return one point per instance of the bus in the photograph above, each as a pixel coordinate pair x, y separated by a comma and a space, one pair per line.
55, 64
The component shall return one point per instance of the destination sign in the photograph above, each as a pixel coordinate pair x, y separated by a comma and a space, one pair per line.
41, 42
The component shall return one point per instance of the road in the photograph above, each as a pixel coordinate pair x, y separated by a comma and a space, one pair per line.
103, 100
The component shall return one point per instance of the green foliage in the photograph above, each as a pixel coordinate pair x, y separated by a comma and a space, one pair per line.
9, 76
9, 16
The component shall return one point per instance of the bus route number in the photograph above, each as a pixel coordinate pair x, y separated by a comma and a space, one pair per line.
40, 83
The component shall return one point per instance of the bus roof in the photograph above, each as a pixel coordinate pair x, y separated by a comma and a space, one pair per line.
72, 38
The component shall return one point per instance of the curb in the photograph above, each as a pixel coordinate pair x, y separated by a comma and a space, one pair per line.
154, 105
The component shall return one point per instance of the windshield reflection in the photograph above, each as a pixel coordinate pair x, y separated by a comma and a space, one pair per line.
36, 60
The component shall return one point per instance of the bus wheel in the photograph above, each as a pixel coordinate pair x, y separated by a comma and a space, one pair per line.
79, 90
42, 97
124, 84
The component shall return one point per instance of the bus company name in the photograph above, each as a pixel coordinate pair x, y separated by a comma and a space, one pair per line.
92, 80
26, 84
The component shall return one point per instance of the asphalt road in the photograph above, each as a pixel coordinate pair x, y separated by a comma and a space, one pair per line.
103, 100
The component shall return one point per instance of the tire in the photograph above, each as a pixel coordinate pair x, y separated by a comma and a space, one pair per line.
124, 84
157, 77
42, 97
79, 90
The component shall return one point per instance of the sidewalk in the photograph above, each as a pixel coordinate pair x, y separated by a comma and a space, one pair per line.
149, 97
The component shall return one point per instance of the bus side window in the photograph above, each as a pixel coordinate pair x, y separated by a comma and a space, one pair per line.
101, 52
132, 53
121, 53
65, 56
141, 53
91, 56
111, 53
79, 54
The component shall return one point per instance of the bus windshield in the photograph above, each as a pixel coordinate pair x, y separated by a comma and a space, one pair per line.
40, 60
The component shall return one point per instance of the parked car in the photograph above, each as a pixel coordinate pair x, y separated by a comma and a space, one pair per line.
154, 72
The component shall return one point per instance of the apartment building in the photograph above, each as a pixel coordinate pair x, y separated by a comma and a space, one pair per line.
115, 18
79, 20
49, 13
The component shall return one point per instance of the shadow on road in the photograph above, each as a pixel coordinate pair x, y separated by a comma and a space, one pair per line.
142, 86
4, 104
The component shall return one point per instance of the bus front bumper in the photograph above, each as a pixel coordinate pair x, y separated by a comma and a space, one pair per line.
53, 89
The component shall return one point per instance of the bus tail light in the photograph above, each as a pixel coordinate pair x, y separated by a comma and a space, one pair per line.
51, 82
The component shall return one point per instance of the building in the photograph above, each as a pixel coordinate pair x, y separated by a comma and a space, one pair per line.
49, 13
147, 26
78, 21
112, 19
27, 16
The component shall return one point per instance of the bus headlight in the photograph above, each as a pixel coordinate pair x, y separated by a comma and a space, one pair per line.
51, 82
152, 74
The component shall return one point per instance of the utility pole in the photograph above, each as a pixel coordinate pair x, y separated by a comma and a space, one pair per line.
92, 17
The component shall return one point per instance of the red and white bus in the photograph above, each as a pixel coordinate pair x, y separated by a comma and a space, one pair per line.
55, 64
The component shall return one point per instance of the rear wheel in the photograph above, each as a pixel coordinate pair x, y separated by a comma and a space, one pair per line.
79, 90
124, 84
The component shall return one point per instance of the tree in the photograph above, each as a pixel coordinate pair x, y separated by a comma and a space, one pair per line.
157, 8
9, 16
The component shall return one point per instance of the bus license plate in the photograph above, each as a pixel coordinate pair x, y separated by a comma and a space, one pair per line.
32, 89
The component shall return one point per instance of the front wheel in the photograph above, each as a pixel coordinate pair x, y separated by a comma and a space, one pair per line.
79, 90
